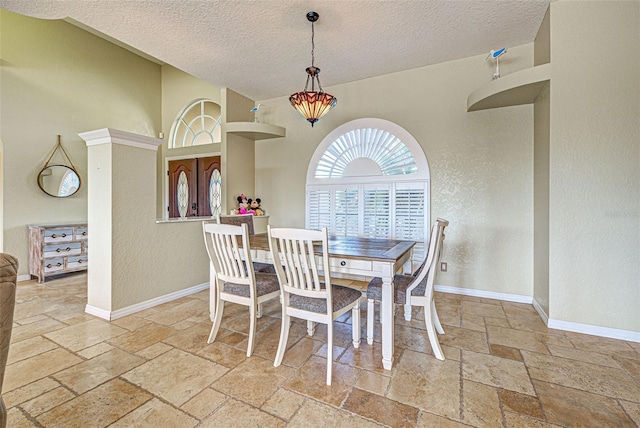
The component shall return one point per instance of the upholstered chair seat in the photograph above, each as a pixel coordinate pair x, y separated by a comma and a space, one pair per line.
266, 283
342, 297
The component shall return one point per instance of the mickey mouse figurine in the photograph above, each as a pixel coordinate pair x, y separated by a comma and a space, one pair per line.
254, 206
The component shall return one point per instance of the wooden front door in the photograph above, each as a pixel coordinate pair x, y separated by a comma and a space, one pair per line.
206, 166
189, 181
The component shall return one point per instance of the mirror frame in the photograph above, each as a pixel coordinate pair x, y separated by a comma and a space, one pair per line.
64, 166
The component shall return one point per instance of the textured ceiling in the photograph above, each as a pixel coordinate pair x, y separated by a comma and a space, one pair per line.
261, 48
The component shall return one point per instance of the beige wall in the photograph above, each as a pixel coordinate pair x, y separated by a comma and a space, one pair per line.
238, 153
59, 79
481, 163
541, 55
594, 206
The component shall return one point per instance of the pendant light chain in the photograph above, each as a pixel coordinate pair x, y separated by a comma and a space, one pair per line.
313, 57
313, 45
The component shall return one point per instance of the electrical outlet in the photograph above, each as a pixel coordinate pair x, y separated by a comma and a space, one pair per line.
443, 266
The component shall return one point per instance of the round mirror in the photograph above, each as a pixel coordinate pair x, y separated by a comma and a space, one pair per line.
59, 181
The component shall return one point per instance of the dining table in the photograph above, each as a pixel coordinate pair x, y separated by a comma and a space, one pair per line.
362, 257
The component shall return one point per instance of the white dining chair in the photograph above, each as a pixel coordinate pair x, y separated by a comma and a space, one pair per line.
305, 285
235, 279
247, 219
415, 290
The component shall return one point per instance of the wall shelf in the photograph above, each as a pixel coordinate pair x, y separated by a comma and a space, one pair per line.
256, 130
514, 89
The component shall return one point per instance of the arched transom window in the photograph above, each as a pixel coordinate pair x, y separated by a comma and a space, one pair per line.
370, 177
357, 151
197, 124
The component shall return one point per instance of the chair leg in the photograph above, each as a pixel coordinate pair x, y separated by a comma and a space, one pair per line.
311, 327
216, 321
252, 328
355, 321
329, 350
284, 334
436, 319
431, 332
407, 312
259, 313
371, 305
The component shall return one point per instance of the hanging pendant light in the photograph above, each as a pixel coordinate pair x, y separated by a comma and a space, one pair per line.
312, 105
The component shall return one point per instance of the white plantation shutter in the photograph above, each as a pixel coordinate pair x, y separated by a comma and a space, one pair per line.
319, 208
387, 150
346, 212
409, 223
376, 208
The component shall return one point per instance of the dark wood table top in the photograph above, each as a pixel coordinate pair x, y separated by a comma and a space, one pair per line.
352, 247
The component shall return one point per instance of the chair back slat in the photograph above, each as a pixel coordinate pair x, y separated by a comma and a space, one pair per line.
231, 261
298, 270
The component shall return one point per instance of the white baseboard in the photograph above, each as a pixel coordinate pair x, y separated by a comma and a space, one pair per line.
517, 298
541, 312
595, 330
100, 313
119, 313
21, 278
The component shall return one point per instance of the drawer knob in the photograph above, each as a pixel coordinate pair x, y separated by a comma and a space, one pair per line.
59, 250
53, 235
84, 233
343, 263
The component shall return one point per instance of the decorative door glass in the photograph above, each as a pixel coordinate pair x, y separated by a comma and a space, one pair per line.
215, 193
183, 194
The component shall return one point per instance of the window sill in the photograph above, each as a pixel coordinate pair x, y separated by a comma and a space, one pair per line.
184, 220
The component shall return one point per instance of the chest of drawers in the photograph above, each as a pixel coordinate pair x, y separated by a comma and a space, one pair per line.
56, 249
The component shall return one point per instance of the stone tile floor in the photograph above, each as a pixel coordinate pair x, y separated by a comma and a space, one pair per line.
504, 368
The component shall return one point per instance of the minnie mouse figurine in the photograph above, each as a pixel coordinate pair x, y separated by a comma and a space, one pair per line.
243, 205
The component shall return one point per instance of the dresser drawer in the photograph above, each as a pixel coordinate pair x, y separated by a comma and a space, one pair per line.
63, 249
58, 235
82, 233
74, 262
53, 265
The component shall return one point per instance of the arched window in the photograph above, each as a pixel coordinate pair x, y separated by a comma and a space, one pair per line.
370, 177
197, 124
69, 183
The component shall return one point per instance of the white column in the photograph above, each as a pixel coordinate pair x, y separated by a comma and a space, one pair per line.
117, 160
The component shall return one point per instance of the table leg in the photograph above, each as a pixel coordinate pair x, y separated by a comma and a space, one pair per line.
386, 316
